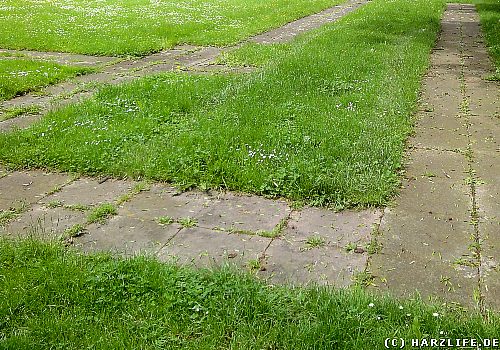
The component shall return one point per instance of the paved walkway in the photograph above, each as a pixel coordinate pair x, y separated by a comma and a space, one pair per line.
113, 70
269, 237
442, 236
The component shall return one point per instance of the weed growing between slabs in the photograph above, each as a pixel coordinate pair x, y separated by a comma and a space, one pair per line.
19, 76
325, 123
137, 27
54, 298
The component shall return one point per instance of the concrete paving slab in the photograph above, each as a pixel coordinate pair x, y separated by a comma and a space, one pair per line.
435, 182
125, 236
42, 222
337, 229
87, 191
244, 213
163, 200
27, 187
291, 262
205, 248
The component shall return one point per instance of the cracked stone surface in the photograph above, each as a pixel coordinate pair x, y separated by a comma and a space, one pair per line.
87, 191
243, 212
290, 259
43, 222
453, 171
204, 248
27, 187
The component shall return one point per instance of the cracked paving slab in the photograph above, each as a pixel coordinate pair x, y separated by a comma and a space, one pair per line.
207, 248
28, 187
43, 222
291, 259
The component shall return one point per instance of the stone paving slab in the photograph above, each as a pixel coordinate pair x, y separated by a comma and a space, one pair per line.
126, 236
207, 248
338, 229
291, 262
87, 191
161, 201
28, 187
43, 222
427, 237
243, 213
435, 183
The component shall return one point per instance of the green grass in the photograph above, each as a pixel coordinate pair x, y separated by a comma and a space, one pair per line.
136, 27
253, 54
325, 124
489, 12
52, 298
19, 76
101, 213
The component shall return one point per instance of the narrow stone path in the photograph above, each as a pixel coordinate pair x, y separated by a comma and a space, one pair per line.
442, 236
269, 237
116, 71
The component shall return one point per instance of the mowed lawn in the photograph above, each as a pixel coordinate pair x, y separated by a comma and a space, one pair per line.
137, 27
324, 122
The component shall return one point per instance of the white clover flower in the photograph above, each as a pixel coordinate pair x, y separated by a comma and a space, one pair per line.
371, 305
435, 314
400, 307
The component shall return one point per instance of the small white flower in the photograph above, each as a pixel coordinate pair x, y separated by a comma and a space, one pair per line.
408, 315
400, 307
441, 332
435, 314
371, 305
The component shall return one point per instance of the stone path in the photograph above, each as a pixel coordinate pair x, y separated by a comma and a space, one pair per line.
442, 236
113, 70
269, 237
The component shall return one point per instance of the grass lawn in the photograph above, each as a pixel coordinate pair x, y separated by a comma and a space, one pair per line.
52, 298
137, 27
489, 12
19, 76
325, 123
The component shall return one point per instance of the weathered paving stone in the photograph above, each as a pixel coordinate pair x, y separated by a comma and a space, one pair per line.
244, 213
27, 187
126, 236
338, 229
292, 263
42, 222
163, 200
87, 191
435, 182
290, 259
204, 248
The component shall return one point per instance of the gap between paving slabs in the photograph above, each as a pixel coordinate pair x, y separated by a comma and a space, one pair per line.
435, 237
185, 58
